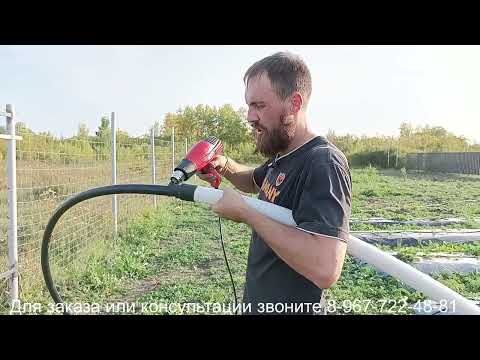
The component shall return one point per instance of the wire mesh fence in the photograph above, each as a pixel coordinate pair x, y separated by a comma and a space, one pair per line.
4, 266
133, 167
48, 171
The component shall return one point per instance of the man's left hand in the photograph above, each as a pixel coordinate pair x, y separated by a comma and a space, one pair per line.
231, 206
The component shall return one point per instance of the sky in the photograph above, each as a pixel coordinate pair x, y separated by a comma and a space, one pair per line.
361, 90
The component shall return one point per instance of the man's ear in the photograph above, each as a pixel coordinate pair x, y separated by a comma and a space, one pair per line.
297, 102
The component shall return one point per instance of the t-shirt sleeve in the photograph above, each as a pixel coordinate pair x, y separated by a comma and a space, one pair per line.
259, 174
323, 201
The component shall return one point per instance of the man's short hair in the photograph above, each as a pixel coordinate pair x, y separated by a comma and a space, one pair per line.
287, 73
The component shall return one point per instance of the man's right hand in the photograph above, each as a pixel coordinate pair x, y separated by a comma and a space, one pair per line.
241, 176
219, 162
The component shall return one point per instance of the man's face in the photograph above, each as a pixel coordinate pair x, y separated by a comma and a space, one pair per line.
273, 127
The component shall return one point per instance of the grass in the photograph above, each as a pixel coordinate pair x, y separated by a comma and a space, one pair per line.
472, 249
173, 255
387, 194
42, 186
155, 248
376, 293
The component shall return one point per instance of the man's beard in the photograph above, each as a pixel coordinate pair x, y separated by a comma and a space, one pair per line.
271, 142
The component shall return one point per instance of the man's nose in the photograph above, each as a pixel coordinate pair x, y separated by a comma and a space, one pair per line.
252, 116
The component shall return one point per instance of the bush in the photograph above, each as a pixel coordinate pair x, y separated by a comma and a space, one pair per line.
378, 159
244, 153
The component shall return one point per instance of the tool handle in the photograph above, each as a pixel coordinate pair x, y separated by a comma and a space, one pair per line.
210, 171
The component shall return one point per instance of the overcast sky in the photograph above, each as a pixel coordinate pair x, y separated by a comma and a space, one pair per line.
356, 89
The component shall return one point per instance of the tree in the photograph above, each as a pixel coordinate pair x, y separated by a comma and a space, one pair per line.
157, 129
232, 126
83, 131
405, 130
176, 121
22, 129
123, 138
202, 121
103, 142
104, 128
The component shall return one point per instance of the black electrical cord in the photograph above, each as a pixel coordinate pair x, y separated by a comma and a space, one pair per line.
228, 267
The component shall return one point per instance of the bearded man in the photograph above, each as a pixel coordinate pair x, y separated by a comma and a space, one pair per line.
290, 266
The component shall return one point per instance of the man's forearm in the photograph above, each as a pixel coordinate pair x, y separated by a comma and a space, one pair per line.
316, 257
241, 176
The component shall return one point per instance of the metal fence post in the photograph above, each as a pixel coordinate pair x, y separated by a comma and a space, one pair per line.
173, 148
186, 152
396, 158
152, 141
12, 205
388, 156
114, 173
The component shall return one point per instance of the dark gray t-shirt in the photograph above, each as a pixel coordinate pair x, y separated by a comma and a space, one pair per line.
313, 181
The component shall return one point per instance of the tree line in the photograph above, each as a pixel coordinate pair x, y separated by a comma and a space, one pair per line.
193, 123
391, 151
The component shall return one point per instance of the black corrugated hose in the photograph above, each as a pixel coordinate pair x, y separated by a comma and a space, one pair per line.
183, 192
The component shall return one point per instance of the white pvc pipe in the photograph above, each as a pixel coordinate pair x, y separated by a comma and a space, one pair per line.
12, 204
277, 213
384, 262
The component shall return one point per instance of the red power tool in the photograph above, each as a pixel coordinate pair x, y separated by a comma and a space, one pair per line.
198, 159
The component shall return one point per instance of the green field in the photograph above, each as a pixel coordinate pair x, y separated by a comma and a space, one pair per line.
173, 254
417, 195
